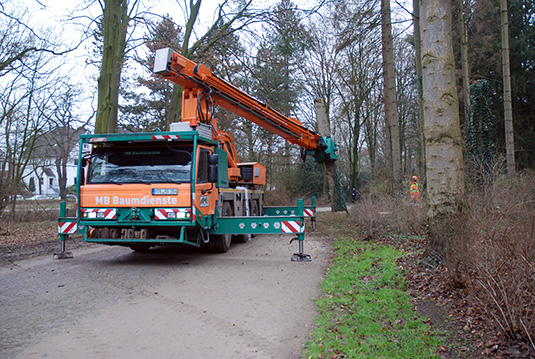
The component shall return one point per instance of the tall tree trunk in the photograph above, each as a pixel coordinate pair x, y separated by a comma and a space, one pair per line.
390, 97
337, 201
464, 61
355, 152
418, 55
115, 23
175, 109
444, 156
507, 102
355, 166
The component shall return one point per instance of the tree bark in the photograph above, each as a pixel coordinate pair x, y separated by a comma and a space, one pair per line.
115, 23
464, 61
418, 55
390, 98
507, 102
444, 157
330, 168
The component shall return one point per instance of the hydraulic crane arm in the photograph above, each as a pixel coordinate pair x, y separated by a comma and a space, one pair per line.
202, 90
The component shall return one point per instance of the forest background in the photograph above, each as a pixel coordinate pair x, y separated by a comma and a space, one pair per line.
283, 54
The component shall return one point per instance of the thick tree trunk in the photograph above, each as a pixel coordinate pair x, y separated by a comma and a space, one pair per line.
337, 202
355, 154
418, 53
115, 24
174, 113
175, 109
444, 157
507, 102
390, 97
464, 61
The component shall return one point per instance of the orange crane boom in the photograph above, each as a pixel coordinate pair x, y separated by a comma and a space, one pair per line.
202, 87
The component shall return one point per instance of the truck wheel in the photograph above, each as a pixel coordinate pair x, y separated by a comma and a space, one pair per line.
254, 209
221, 242
140, 248
253, 212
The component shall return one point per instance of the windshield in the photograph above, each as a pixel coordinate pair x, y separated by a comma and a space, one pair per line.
152, 163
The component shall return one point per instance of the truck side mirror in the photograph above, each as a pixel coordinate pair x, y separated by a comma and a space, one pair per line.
85, 160
213, 161
81, 179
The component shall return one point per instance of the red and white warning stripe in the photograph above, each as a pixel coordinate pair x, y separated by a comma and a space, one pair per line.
165, 137
67, 227
162, 213
308, 212
292, 227
98, 139
109, 213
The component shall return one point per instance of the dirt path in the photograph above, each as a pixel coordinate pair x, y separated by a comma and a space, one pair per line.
109, 302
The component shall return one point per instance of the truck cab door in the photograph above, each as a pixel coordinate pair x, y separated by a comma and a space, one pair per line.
206, 191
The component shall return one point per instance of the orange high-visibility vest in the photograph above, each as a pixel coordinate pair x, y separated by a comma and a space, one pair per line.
415, 193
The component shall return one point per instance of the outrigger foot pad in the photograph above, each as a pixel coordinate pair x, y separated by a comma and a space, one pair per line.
63, 255
301, 257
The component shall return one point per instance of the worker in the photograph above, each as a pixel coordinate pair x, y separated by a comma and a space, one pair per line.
415, 192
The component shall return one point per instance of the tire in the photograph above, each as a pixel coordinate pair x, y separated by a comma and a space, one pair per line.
140, 248
254, 209
221, 242
253, 212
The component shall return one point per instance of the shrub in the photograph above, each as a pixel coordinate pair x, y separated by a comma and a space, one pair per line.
502, 246
493, 252
490, 247
376, 217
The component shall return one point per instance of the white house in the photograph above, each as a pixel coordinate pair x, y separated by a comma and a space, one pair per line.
57, 146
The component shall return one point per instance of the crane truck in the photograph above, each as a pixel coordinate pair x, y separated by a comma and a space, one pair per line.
186, 186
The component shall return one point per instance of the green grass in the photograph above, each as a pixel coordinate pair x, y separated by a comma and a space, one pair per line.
364, 310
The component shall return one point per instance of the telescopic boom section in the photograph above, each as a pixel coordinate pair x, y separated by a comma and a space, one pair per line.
202, 90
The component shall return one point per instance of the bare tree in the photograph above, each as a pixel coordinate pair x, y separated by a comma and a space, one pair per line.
116, 16
358, 75
507, 101
444, 157
64, 129
24, 102
20, 42
418, 63
464, 60
228, 21
393, 152
410, 132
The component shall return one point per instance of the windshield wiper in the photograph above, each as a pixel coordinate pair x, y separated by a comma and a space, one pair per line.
108, 181
141, 181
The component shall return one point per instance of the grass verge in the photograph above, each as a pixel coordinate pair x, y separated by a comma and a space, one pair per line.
365, 310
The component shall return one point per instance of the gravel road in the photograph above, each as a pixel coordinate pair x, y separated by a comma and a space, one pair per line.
109, 302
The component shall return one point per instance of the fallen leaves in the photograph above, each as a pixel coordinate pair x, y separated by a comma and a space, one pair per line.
15, 234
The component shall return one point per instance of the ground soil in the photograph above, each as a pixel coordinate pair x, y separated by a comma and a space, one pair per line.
468, 334
11, 254
111, 302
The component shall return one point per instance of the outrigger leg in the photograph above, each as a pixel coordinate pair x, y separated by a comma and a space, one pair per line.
300, 257
63, 254
62, 236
